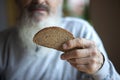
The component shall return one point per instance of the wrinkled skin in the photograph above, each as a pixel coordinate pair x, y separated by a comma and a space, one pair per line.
83, 55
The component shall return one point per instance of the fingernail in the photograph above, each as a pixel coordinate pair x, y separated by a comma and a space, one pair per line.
62, 57
64, 46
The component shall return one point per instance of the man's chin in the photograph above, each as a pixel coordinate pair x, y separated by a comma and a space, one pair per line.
38, 16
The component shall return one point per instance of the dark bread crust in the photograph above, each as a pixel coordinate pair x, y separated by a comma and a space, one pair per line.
52, 37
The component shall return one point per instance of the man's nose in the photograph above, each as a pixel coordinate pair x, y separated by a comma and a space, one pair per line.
39, 1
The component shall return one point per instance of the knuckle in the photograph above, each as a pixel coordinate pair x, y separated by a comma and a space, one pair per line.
78, 40
91, 69
93, 43
74, 65
94, 52
79, 68
76, 52
92, 61
76, 60
69, 43
73, 60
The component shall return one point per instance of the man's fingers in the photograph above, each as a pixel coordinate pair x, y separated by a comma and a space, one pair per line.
86, 67
83, 54
82, 68
78, 53
81, 61
78, 43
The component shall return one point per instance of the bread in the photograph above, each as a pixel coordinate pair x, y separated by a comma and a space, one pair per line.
52, 37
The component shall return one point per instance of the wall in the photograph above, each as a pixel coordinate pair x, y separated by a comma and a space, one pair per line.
3, 17
12, 12
105, 16
8, 14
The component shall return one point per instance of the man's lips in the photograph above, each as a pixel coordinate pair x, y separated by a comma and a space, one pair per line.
38, 10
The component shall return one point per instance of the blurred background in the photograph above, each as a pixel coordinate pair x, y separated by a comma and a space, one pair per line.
104, 15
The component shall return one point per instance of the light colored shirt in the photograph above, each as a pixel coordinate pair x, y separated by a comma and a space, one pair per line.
18, 64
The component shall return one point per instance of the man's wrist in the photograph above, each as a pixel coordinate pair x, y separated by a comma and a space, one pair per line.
103, 71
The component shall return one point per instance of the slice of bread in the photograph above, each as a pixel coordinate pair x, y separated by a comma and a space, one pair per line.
52, 37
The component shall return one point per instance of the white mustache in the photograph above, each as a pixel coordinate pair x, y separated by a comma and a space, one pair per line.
38, 6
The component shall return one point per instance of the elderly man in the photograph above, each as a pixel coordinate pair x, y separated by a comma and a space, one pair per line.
21, 59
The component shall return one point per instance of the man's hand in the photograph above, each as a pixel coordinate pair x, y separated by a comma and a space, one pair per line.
83, 55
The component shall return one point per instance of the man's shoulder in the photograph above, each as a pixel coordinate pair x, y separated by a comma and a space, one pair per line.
5, 33
75, 20
76, 23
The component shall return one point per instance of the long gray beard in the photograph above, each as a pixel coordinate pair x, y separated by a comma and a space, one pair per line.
28, 28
